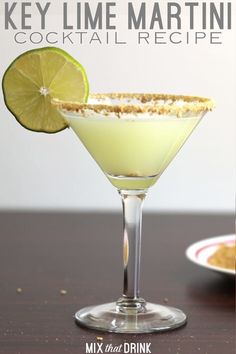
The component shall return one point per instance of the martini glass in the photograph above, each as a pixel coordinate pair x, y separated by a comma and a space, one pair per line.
133, 138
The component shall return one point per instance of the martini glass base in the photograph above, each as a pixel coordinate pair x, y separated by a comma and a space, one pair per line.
110, 318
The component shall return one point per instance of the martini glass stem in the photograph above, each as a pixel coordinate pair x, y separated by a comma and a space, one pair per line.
132, 201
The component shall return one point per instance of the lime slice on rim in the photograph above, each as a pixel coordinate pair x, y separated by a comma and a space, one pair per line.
36, 77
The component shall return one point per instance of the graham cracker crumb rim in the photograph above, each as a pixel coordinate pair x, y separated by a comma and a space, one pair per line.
192, 104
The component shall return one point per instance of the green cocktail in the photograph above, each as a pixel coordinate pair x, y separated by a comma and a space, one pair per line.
133, 138
133, 151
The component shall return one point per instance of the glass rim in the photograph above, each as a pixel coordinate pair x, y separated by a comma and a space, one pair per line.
152, 103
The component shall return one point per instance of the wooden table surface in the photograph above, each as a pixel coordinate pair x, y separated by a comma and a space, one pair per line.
44, 253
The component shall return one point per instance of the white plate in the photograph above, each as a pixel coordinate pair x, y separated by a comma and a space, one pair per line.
200, 251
